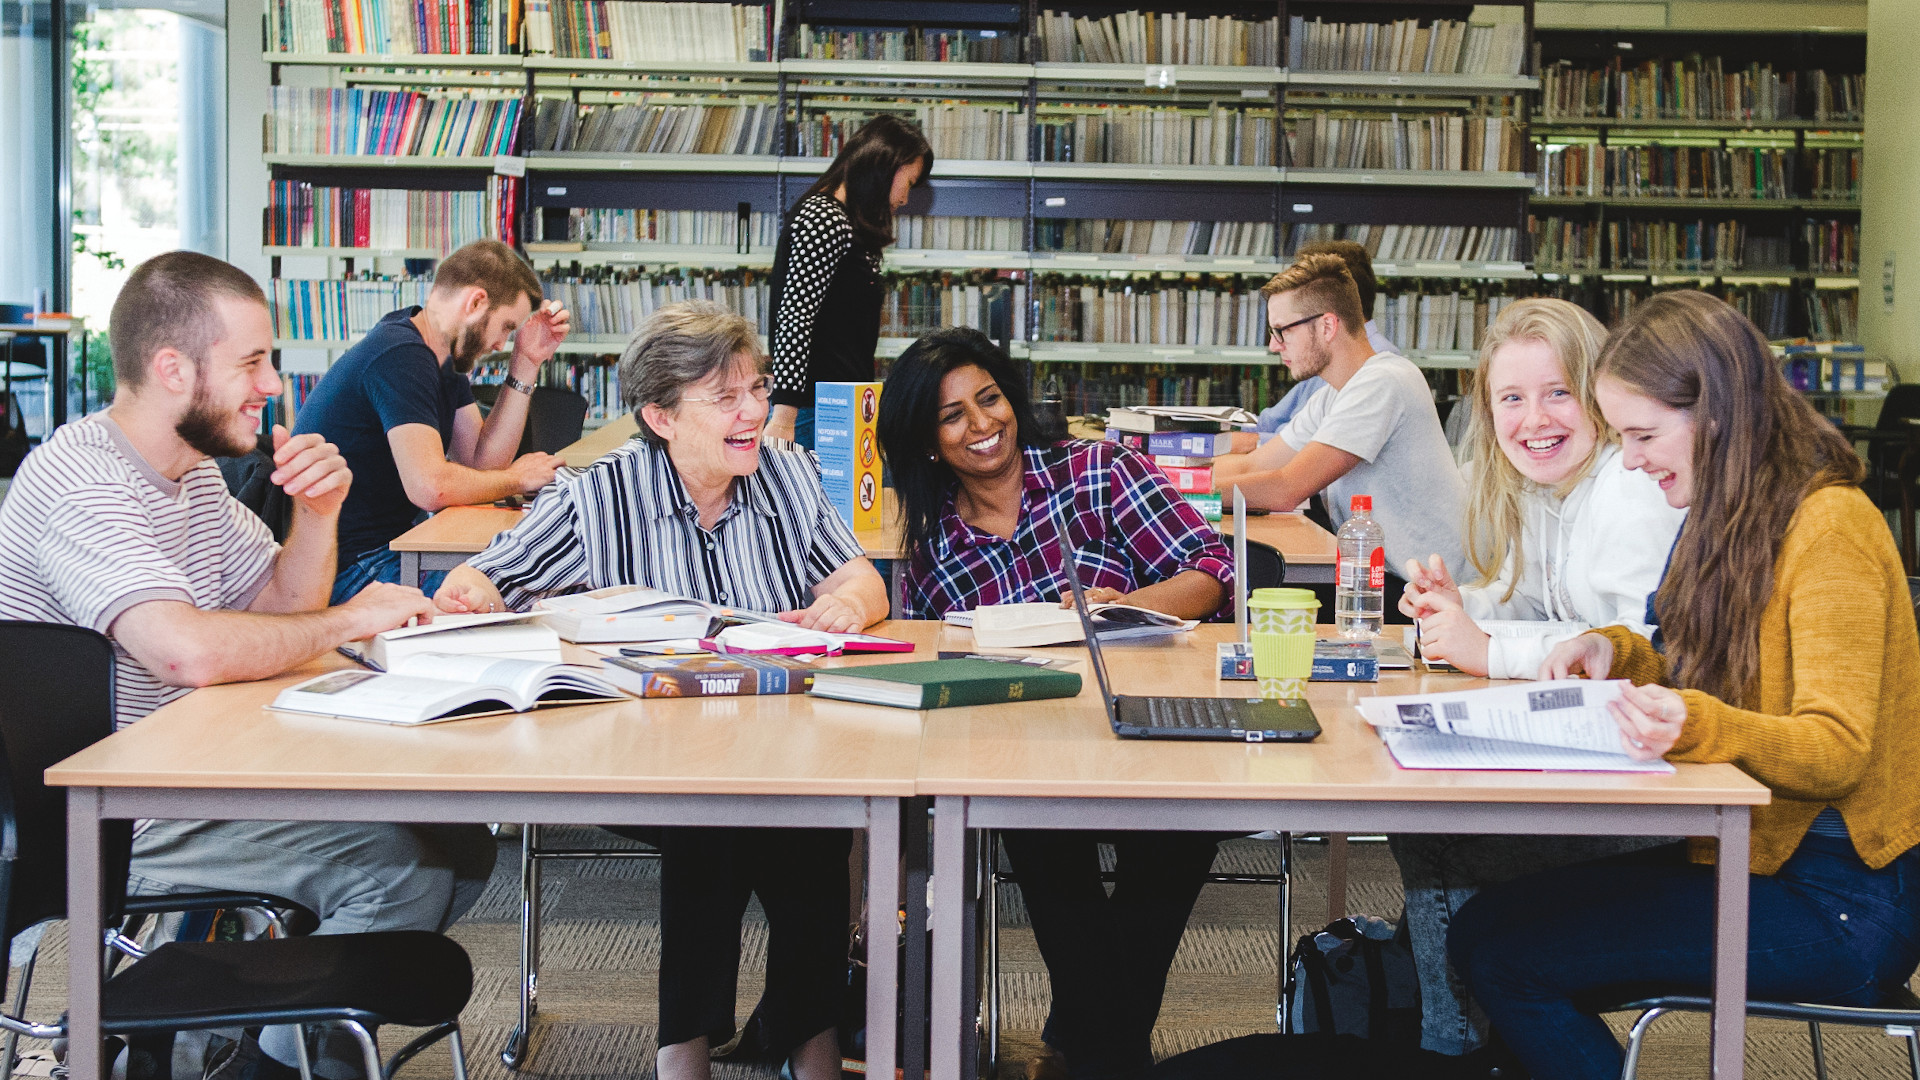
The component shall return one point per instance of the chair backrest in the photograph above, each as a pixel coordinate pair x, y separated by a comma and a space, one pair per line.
249, 479
56, 699
1266, 566
555, 418
1902, 402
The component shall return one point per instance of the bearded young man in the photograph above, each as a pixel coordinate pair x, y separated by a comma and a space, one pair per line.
1371, 430
121, 523
399, 406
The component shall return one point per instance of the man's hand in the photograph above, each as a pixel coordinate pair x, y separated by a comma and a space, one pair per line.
1430, 589
539, 338
535, 471
1246, 442
1451, 635
311, 471
828, 613
382, 606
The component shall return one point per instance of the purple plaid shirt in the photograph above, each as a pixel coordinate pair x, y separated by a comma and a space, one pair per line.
1127, 525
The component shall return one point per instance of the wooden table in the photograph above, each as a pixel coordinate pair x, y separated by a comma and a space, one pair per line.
790, 761
600, 442
449, 538
1056, 764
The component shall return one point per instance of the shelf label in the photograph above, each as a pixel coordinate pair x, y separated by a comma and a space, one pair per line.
1161, 76
1303, 208
556, 191
1055, 200
510, 166
1394, 80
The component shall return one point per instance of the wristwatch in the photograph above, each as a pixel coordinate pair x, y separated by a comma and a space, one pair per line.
512, 383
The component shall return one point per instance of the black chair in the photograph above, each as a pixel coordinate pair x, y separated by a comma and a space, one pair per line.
1887, 442
1899, 1015
355, 981
249, 480
556, 416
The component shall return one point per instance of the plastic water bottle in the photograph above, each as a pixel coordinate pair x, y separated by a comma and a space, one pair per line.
1360, 574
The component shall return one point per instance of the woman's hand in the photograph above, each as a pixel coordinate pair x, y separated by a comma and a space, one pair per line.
829, 613
1452, 635
780, 420
467, 590
1650, 718
1096, 594
1588, 654
1430, 588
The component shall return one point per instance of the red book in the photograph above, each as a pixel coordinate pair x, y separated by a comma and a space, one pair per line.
1188, 480
362, 211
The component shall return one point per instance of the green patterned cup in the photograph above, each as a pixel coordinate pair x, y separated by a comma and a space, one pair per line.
1280, 626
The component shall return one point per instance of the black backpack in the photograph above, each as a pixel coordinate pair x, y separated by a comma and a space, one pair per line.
1357, 978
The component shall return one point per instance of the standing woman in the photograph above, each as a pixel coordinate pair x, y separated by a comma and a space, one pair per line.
1786, 647
826, 271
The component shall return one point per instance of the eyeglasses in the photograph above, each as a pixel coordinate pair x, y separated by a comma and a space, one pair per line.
733, 399
1279, 333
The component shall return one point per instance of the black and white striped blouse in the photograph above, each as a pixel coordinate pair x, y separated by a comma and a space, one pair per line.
627, 520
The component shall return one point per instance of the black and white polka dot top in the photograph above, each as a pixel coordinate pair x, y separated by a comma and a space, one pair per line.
826, 297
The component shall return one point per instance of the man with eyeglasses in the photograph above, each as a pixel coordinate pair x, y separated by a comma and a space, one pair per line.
399, 406
1372, 430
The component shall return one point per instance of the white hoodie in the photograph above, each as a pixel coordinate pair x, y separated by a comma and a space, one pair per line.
1592, 560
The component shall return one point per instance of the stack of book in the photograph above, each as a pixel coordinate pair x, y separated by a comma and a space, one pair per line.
914, 43
1182, 443
1413, 243
1450, 141
1160, 237
300, 214
1134, 37
650, 32
696, 228
1698, 88
1840, 368
462, 27
1189, 309
389, 122
608, 301
920, 303
1144, 135
942, 232
1443, 45
339, 309
643, 126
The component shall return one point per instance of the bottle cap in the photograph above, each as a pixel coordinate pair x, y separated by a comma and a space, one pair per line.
1363, 502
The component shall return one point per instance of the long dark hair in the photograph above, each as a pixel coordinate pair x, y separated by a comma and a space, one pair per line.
883, 146
909, 420
1758, 451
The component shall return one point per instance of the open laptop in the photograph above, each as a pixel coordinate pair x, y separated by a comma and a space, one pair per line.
1236, 719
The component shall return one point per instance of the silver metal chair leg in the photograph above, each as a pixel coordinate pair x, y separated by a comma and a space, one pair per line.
990, 841
369, 1049
1282, 1007
1913, 1054
458, 1045
301, 1058
514, 1054
1819, 1051
1635, 1036
20, 1008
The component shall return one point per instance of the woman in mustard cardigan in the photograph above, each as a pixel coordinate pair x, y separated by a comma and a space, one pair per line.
1785, 645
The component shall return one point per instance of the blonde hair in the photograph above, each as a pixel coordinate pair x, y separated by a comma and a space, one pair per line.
1494, 517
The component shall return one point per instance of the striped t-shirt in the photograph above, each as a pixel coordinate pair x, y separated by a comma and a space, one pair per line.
89, 529
627, 520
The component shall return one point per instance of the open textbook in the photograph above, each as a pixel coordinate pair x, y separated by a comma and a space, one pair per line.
1563, 724
639, 613
1030, 626
429, 687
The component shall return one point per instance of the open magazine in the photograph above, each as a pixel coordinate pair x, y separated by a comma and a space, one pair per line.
1562, 724
429, 687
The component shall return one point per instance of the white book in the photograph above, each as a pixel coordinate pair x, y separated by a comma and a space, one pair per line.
627, 613
1029, 626
430, 687
499, 634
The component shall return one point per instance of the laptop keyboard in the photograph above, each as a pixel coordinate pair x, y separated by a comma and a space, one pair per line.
1193, 712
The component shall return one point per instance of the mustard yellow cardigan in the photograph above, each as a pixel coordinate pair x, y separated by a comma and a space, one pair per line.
1835, 717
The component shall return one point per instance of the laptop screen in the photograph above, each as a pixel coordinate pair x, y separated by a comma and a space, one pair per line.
1086, 627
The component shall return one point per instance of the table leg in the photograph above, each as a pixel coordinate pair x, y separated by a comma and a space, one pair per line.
913, 844
1730, 945
57, 382
410, 568
896, 581
945, 1043
85, 929
883, 898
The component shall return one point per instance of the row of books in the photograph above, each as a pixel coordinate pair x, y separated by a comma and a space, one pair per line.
1092, 388
1698, 88
1449, 141
334, 309
1413, 243
1159, 237
444, 27
1442, 45
300, 214
974, 132
912, 43
1563, 245
389, 122
942, 232
1194, 309
295, 387
610, 301
916, 304
1134, 37
670, 32
1441, 320
591, 378
1834, 315
642, 127
1698, 172
1141, 135
700, 228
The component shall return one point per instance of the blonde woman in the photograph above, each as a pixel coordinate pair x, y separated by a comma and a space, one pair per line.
1560, 534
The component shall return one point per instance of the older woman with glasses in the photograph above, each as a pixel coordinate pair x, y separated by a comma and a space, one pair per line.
701, 507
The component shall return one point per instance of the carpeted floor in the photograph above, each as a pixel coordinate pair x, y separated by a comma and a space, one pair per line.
601, 953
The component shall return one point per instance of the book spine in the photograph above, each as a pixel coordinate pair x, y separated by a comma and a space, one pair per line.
1344, 669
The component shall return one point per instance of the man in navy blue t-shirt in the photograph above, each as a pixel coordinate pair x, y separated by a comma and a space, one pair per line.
400, 408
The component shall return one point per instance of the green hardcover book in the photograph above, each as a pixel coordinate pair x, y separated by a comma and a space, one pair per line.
936, 684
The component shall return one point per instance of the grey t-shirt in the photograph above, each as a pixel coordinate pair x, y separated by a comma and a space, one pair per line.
1385, 417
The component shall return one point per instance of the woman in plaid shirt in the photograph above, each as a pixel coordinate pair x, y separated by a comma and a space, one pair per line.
989, 499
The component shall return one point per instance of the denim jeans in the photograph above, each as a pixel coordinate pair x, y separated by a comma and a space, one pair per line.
1824, 929
380, 564
1440, 872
